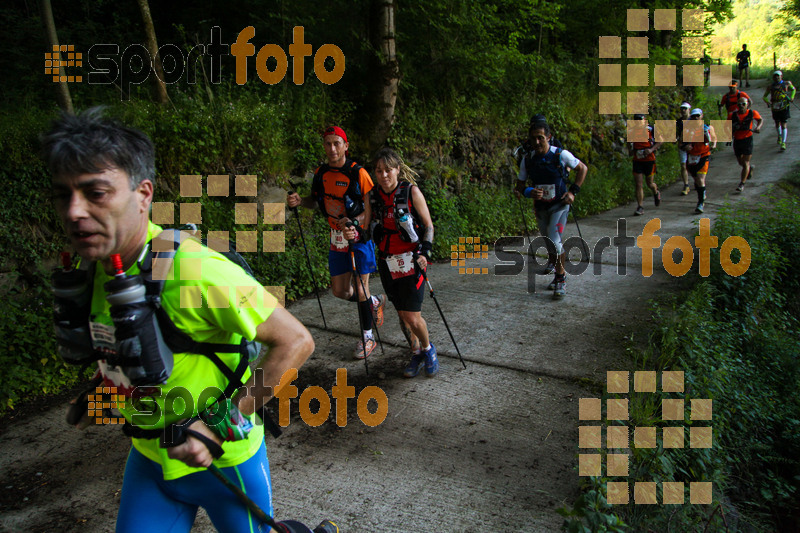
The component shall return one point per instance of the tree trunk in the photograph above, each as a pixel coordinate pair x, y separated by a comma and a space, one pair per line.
62, 89
383, 90
152, 47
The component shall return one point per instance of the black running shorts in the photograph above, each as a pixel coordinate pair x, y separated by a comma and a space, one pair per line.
648, 168
781, 115
743, 146
406, 293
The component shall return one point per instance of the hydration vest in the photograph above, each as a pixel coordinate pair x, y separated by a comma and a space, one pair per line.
548, 170
401, 204
703, 148
742, 124
142, 370
346, 190
779, 95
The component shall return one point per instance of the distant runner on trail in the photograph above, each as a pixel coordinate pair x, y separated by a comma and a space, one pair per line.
340, 190
743, 129
731, 98
685, 108
644, 166
547, 168
779, 95
403, 233
698, 154
743, 61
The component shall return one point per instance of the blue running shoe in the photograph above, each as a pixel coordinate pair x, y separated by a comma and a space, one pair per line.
413, 368
431, 361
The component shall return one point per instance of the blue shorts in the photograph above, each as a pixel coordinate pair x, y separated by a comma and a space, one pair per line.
339, 262
150, 503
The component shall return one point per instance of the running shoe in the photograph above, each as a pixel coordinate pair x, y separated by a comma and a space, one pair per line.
431, 361
699, 209
413, 368
780, 140
639, 211
370, 345
552, 285
560, 289
377, 310
657, 198
740, 188
548, 268
783, 146
685, 190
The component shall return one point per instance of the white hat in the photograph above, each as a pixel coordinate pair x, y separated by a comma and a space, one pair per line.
686, 105
696, 111
777, 73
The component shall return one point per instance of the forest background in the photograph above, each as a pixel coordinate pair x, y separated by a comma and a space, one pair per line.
449, 84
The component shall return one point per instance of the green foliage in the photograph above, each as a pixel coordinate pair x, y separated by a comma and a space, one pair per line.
29, 365
735, 339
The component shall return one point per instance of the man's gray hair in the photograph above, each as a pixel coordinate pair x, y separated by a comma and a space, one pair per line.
89, 143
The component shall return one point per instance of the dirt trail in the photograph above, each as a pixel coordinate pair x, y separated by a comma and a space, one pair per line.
492, 447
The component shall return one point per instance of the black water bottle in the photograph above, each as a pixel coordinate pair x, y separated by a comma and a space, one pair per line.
72, 300
141, 351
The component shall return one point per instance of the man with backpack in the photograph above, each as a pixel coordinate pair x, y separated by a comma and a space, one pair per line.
778, 96
644, 166
698, 157
743, 129
340, 189
547, 168
743, 62
103, 181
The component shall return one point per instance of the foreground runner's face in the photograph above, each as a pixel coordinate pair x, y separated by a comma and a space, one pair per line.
101, 215
540, 141
335, 149
386, 176
684, 112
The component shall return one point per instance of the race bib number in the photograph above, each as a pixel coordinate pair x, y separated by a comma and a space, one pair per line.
548, 191
338, 242
693, 159
400, 265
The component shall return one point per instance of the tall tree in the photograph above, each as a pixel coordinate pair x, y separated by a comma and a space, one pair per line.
152, 47
62, 89
382, 95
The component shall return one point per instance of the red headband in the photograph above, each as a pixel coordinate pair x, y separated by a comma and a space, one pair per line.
335, 130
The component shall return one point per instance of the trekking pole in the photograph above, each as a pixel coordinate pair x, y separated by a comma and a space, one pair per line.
524, 219
308, 259
585, 246
433, 296
363, 289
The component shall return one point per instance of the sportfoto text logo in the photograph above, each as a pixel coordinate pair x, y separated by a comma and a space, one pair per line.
134, 65
149, 405
513, 261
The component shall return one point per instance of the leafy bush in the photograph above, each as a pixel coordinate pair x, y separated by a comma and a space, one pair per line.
735, 338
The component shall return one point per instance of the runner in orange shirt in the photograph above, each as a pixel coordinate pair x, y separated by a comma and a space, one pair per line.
731, 98
340, 189
644, 166
698, 154
742, 123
